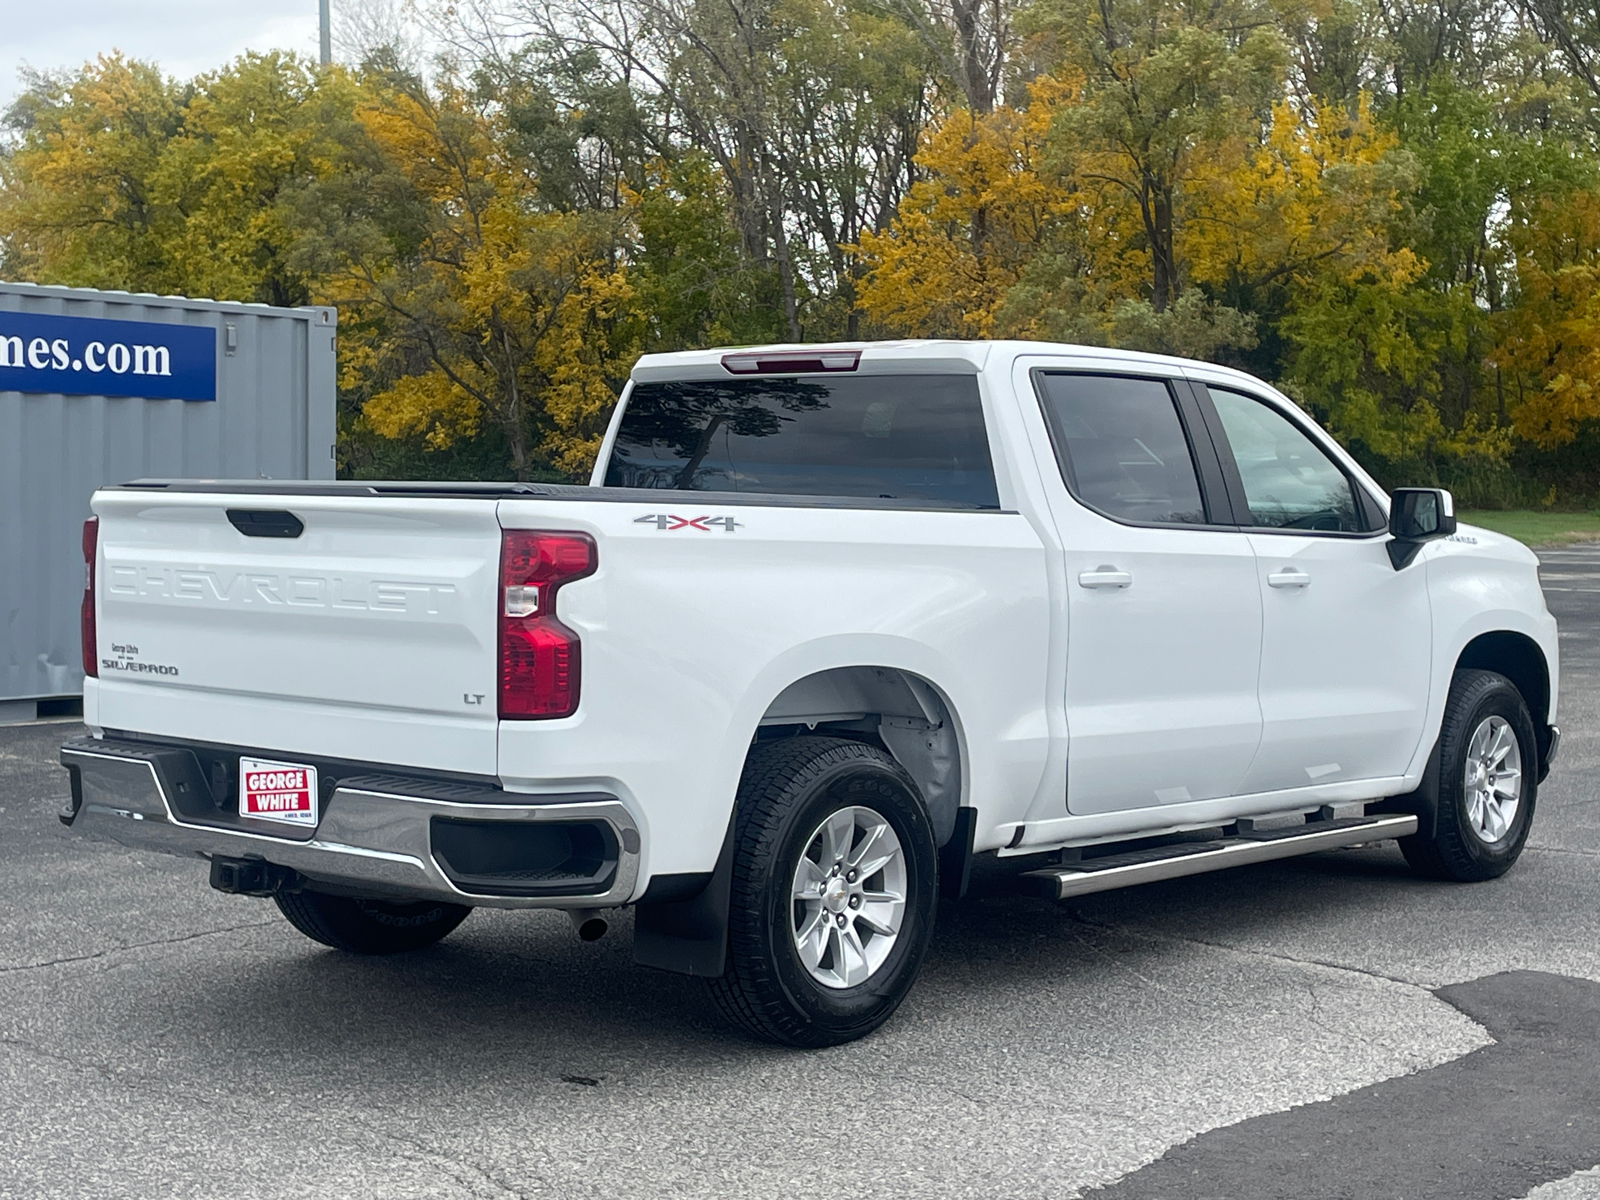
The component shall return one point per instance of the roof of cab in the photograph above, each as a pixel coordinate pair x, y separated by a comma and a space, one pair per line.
923, 354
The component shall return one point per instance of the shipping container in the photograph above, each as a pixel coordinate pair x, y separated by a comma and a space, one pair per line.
105, 387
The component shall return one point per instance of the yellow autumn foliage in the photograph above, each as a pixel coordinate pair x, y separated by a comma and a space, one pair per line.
431, 404
135, 182
965, 232
506, 314
1313, 196
500, 250
1309, 194
1550, 341
574, 359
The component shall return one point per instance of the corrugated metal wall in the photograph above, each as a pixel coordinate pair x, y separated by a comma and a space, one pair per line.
273, 418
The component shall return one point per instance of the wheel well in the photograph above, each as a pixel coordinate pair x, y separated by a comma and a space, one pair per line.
683, 926
1520, 660
897, 710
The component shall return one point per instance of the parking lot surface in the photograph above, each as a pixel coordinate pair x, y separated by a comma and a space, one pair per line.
1328, 1026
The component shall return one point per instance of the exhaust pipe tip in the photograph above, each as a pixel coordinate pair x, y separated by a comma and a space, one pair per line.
590, 924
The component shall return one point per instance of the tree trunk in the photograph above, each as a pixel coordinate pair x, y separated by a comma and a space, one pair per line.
975, 81
780, 247
738, 163
791, 303
1163, 270
517, 441
516, 433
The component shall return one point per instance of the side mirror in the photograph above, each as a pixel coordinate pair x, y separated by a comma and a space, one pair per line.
1418, 515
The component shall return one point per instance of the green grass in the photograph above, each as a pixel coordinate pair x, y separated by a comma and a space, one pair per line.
1538, 528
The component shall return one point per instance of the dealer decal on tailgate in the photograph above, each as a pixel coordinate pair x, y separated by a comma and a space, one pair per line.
276, 791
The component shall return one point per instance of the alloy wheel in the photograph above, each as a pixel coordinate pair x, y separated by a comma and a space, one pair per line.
848, 898
1492, 783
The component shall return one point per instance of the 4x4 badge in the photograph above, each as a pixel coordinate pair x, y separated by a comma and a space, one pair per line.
669, 521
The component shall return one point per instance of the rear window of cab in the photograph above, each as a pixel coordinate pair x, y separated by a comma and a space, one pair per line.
895, 437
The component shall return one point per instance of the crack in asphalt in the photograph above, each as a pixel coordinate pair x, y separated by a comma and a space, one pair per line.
1136, 931
110, 950
458, 1169
38, 1051
468, 1174
1113, 959
1308, 986
1563, 850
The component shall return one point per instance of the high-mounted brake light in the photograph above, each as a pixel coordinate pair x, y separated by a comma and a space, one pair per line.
791, 362
539, 656
86, 628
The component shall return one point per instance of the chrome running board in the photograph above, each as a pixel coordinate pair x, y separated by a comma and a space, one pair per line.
1195, 858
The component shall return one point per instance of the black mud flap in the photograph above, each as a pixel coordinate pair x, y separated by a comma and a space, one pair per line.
681, 922
955, 856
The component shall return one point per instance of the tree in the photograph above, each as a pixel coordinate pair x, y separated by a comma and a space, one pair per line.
1574, 30
79, 203
1164, 81
996, 240
472, 303
253, 135
809, 109
970, 41
694, 286
1549, 346
1387, 207
125, 180
966, 232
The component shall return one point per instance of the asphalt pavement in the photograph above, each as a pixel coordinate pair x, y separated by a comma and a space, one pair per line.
1227, 1035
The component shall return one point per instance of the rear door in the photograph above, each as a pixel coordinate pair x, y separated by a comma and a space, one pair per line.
1347, 640
1163, 613
370, 635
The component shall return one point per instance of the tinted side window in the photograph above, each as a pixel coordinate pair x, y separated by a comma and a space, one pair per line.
1289, 482
1121, 447
904, 437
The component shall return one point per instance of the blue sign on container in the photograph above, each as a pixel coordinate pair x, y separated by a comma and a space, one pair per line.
88, 356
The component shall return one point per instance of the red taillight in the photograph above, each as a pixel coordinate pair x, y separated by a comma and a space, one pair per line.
538, 654
86, 630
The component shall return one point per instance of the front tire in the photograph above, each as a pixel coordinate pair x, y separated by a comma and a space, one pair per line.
834, 884
370, 926
1488, 783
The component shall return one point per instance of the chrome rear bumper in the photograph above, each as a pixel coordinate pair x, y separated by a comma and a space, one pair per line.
375, 836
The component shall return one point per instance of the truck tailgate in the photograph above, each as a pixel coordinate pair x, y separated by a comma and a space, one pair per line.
370, 636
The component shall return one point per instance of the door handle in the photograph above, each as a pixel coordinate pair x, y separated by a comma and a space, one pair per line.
1289, 577
1105, 576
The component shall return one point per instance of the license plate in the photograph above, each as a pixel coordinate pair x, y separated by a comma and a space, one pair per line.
277, 791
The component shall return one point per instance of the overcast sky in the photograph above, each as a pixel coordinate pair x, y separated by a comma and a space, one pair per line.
184, 36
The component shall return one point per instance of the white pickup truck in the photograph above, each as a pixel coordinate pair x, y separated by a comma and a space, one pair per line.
828, 622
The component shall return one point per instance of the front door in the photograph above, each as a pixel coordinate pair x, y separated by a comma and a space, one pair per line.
1346, 647
1163, 612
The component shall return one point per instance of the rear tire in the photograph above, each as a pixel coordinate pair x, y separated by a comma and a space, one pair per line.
1488, 783
370, 926
819, 951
